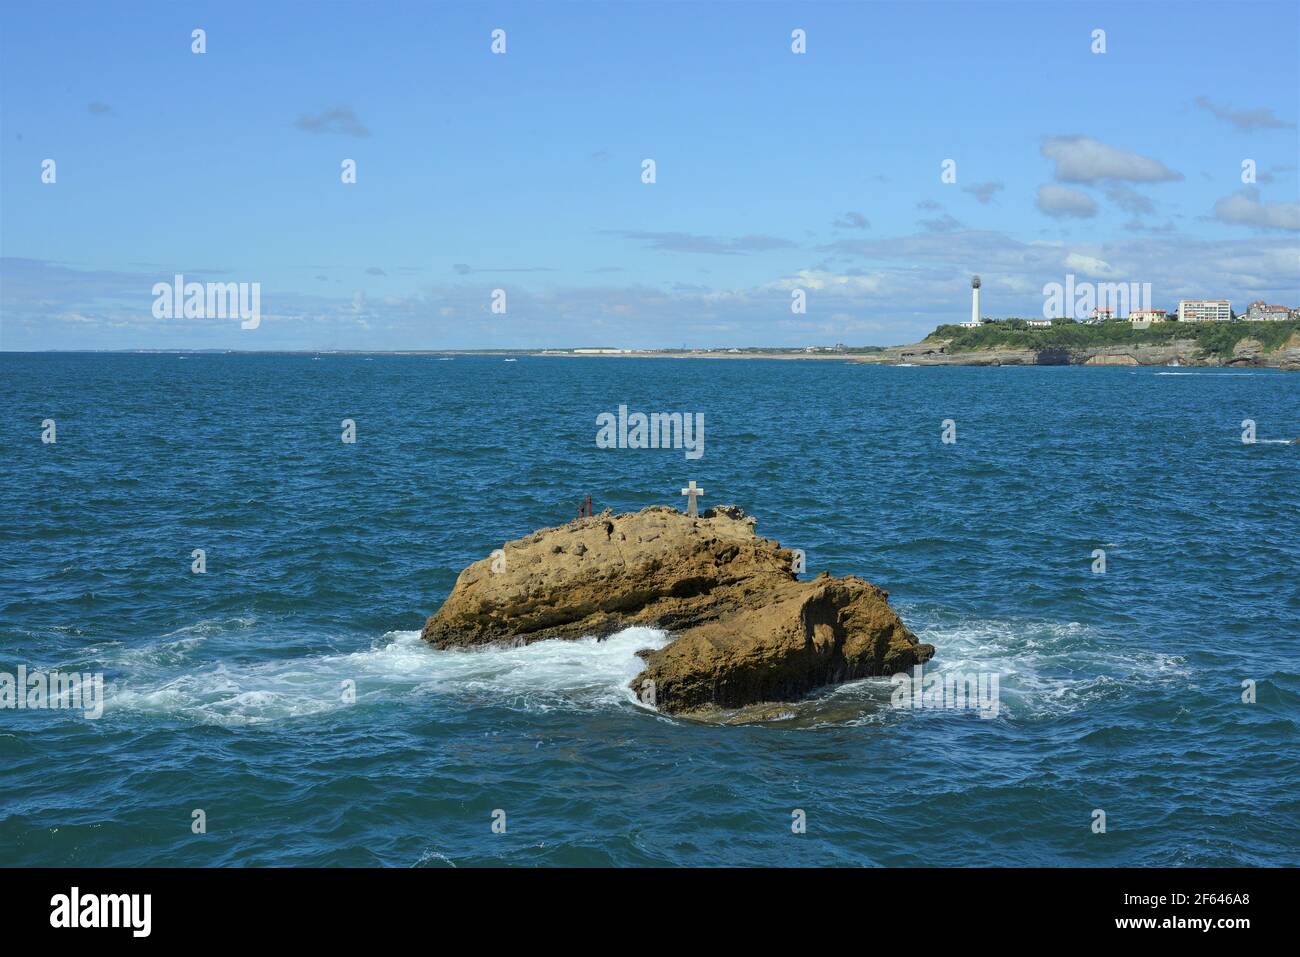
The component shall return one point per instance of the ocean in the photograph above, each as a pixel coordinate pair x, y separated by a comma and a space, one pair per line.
279, 708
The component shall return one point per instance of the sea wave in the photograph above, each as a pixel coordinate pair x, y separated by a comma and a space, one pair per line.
1045, 669
580, 674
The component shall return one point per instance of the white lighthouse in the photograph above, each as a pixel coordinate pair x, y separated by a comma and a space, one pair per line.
974, 305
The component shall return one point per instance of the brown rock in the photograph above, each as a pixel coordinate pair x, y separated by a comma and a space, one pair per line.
805, 635
747, 629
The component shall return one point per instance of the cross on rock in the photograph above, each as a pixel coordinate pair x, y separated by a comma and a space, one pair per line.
692, 494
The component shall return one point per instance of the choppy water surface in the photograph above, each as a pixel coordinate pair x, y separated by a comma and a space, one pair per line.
1119, 692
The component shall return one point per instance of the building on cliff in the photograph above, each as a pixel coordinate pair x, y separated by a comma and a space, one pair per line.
1204, 310
1146, 315
1260, 311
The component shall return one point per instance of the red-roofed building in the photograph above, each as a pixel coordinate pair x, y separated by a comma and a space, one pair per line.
1141, 318
1260, 311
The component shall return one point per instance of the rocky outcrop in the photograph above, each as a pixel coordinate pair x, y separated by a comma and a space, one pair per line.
935, 353
745, 628
1183, 352
805, 635
1251, 352
1288, 357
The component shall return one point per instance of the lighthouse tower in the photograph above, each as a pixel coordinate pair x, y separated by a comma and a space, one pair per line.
974, 300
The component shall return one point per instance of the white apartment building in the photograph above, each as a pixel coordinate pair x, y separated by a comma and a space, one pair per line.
1204, 310
1038, 323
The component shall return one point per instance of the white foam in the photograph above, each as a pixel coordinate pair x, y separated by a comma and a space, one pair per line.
1044, 668
1047, 667
580, 674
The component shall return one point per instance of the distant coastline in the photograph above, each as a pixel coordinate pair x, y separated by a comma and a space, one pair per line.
995, 343
765, 353
1272, 344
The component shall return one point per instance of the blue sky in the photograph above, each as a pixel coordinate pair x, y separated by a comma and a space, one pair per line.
522, 171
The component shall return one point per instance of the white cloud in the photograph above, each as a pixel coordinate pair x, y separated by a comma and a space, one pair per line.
1087, 265
677, 242
1062, 201
1244, 120
1129, 200
1082, 159
852, 220
941, 224
340, 119
1246, 209
983, 191
892, 289
820, 280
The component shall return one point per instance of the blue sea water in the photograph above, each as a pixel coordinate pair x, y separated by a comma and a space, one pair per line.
1120, 692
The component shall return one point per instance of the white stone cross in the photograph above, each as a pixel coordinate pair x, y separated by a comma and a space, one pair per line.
693, 493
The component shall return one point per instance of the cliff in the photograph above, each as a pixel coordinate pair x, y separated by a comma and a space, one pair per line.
1247, 351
